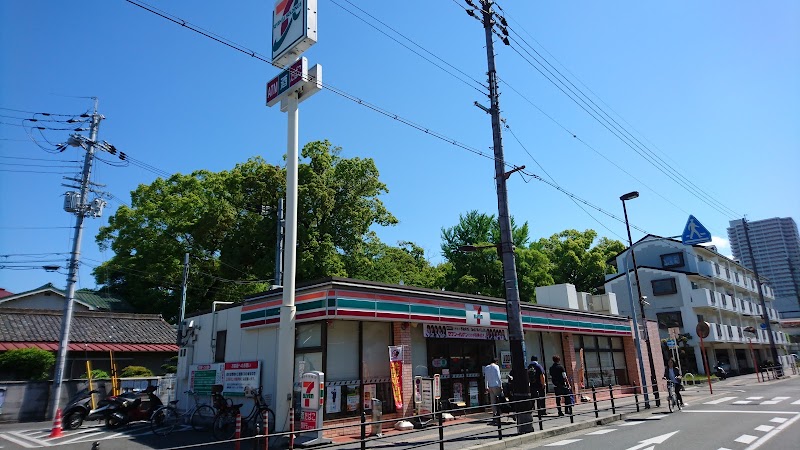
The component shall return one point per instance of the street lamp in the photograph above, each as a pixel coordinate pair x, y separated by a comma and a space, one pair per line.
624, 198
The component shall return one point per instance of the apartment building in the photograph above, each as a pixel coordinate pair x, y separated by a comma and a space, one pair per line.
776, 249
686, 284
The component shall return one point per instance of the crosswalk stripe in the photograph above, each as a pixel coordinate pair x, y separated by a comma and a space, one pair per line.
754, 398
742, 402
746, 439
780, 398
796, 402
16, 441
764, 428
719, 400
778, 420
630, 424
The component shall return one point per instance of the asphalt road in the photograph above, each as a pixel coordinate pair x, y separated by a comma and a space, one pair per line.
742, 414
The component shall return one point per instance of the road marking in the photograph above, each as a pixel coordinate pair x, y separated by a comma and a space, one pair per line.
772, 433
632, 423
796, 402
742, 402
16, 441
778, 420
746, 439
81, 436
780, 398
719, 400
653, 440
40, 442
563, 442
603, 431
770, 402
764, 428
754, 398
740, 411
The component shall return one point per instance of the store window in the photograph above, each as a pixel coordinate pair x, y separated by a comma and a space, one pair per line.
342, 351
308, 335
669, 319
219, 349
603, 360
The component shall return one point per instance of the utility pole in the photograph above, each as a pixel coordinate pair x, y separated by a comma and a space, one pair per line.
279, 246
765, 313
81, 210
520, 387
184, 286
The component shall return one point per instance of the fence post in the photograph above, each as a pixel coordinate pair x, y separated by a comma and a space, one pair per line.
291, 427
636, 396
238, 433
266, 430
611, 393
594, 400
441, 431
363, 430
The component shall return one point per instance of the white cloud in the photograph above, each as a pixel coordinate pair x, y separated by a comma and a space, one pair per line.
723, 245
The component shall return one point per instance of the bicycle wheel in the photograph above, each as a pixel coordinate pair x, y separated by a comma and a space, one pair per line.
259, 422
202, 418
164, 420
225, 425
671, 401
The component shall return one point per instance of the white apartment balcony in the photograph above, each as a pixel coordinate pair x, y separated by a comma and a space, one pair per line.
703, 298
736, 334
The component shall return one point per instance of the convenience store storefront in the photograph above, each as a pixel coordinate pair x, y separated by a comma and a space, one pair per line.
344, 328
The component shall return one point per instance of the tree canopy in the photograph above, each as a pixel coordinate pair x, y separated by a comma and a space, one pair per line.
217, 218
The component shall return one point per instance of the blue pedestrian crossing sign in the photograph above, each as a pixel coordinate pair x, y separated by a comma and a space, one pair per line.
695, 232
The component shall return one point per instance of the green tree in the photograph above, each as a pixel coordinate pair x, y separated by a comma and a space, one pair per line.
574, 259
217, 218
28, 364
481, 272
406, 264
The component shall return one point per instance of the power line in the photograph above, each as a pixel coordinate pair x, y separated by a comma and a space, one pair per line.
85, 114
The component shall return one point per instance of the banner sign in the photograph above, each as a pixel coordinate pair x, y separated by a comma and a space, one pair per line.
241, 377
423, 395
396, 367
465, 332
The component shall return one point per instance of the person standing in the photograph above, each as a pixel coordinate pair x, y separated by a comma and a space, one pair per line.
559, 377
536, 380
494, 387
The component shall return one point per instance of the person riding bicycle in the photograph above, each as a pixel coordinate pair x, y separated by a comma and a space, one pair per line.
673, 375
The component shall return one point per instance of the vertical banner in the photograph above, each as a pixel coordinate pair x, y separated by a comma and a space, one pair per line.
396, 367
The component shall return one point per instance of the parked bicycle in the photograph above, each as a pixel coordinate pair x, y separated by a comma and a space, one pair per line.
225, 422
166, 418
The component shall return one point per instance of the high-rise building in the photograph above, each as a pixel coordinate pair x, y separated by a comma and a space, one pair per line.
776, 249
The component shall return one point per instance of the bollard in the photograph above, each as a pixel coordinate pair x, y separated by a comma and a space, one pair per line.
238, 434
594, 400
441, 431
291, 427
363, 430
266, 430
611, 393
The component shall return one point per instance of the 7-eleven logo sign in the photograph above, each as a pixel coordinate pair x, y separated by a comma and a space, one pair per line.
476, 315
308, 394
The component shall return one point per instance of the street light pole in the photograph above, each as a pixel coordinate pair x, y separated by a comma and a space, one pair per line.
631, 196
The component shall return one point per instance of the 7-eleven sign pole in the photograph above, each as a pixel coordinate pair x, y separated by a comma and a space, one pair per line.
292, 86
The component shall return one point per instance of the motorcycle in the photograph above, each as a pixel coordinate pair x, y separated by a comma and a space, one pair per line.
80, 409
131, 407
720, 372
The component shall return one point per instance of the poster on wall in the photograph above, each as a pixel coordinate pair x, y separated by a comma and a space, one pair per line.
505, 359
369, 394
352, 399
333, 404
473, 393
396, 367
203, 376
458, 392
240, 377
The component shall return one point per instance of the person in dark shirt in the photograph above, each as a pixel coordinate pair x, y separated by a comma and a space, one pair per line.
537, 383
559, 378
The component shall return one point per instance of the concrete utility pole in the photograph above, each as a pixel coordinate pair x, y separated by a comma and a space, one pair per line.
279, 246
520, 387
765, 314
184, 286
83, 208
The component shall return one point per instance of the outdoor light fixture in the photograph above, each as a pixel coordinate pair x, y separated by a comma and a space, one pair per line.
630, 196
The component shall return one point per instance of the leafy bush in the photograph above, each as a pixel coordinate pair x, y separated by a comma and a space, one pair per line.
136, 371
28, 363
171, 365
97, 374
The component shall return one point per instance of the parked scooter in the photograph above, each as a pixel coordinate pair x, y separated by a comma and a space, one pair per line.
80, 409
131, 406
720, 372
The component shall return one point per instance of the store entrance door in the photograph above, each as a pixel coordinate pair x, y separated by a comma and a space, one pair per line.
460, 363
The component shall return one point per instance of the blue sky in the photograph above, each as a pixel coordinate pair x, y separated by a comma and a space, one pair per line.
711, 87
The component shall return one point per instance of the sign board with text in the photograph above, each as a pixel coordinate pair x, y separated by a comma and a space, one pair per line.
294, 29
240, 378
286, 80
312, 400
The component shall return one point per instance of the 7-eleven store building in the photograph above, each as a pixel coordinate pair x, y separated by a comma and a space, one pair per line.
344, 328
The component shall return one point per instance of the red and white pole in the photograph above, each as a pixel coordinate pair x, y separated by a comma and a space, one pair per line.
238, 434
266, 430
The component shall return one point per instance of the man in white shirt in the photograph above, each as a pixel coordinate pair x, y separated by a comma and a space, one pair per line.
494, 386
